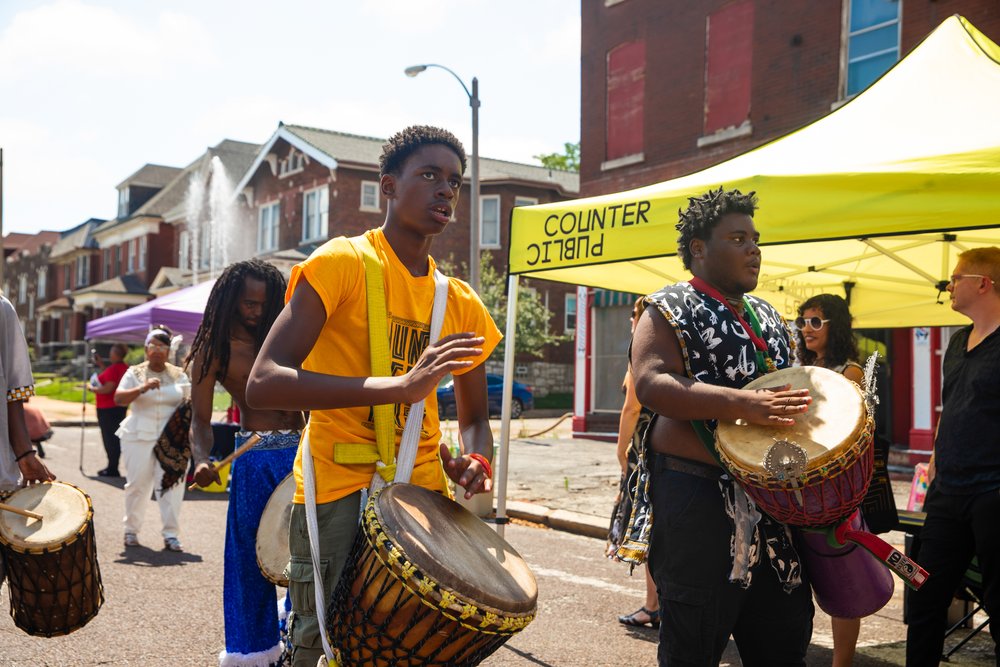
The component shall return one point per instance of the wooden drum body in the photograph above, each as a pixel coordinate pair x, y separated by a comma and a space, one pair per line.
427, 583
816, 472
272, 533
52, 571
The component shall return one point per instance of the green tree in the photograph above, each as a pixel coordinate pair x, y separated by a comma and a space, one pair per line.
568, 160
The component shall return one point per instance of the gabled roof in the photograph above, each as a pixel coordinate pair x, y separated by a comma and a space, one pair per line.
77, 238
127, 284
151, 176
330, 148
18, 243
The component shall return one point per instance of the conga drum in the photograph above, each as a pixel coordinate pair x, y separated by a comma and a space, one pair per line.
427, 583
816, 472
52, 571
272, 533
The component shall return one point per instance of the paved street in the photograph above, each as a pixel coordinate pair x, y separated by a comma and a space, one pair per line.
165, 609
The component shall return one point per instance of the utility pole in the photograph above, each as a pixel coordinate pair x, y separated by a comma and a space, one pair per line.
4, 262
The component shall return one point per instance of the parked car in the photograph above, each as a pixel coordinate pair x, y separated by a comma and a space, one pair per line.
523, 398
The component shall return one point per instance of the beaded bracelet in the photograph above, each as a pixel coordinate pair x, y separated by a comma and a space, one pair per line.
483, 462
23, 454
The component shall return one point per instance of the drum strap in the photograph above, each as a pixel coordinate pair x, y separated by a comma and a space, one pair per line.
312, 527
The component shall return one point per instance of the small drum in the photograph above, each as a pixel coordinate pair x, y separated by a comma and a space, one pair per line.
427, 583
816, 472
272, 533
52, 571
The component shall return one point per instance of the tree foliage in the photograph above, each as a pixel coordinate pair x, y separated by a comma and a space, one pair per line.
568, 160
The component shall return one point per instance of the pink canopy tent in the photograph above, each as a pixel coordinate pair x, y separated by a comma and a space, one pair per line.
182, 311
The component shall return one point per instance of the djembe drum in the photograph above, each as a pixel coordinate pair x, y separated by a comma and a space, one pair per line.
52, 571
427, 583
272, 533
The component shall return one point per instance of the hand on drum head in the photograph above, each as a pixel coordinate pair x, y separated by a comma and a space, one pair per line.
466, 472
205, 474
776, 406
33, 470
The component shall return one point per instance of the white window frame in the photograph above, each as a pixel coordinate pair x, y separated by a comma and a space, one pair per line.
123, 196
373, 188
22, 288
292, 163
82, 270
525, 201
268, 225
130, 262
846, 62
321, 218
43, 276
483, 243
31, 306
567, 311
184, 251
143, 251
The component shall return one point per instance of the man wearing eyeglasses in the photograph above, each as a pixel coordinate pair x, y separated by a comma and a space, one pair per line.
721, 567
963, 501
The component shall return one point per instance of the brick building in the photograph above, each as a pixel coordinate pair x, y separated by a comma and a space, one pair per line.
671, 87
73, 265
26, 277
308, 185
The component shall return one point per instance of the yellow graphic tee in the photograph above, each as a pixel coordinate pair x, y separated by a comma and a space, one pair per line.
336, 271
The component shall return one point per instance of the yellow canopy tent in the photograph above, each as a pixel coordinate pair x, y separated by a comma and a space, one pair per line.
874, 200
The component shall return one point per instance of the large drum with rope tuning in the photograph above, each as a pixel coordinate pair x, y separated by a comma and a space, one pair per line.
427, 583
816, 472
55, 583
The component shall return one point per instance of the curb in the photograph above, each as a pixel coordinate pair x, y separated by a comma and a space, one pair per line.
73, 422
567, 521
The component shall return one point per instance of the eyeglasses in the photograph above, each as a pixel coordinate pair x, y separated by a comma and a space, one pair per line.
158, 347
958, 276
815, 323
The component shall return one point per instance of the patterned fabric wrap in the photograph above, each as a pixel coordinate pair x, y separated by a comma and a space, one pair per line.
20, 393
718, 350
254, 624
633, 517
173, 447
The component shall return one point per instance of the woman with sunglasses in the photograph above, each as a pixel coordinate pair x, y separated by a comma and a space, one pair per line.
823, 329
153, 389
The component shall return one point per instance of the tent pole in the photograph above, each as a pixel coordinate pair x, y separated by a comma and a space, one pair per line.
83, 402
500, 481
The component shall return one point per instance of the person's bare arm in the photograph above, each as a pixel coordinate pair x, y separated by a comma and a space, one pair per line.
477, 438
660, 384
32, 468
202, 438
627, 421
105, 388
278, 381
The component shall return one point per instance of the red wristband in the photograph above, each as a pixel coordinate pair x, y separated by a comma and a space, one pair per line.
483, 462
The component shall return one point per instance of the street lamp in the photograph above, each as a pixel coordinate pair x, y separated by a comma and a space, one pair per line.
474, 217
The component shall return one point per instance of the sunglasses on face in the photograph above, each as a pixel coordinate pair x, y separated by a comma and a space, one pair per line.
815, 323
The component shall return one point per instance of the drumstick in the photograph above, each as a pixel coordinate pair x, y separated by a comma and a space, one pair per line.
18, 510
242, 449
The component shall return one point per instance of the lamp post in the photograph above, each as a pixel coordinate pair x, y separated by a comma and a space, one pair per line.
474, 216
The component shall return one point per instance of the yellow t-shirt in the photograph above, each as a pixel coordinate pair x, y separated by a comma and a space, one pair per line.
336, 271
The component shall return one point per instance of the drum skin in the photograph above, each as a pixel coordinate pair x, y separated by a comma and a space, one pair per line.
272, 533
427, 583
52, 571
836, 436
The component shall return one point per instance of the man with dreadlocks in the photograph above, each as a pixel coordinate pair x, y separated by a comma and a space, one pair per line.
242, 307
721, 566
317, 357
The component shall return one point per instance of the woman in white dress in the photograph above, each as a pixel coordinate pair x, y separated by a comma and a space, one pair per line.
153, 389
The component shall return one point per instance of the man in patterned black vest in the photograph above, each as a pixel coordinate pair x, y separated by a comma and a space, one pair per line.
721, 566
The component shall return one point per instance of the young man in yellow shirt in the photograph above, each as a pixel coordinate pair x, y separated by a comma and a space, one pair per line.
317, 358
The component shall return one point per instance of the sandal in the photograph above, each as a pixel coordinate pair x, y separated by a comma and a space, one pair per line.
653, 622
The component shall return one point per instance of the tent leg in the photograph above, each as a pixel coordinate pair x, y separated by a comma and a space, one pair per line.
83, 402
500, 481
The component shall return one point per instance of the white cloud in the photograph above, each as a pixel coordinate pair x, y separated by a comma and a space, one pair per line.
72, 37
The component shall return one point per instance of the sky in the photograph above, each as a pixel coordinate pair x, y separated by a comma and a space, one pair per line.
91, 90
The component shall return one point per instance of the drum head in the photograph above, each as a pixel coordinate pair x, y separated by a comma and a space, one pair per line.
833, 421
456, 549
272, 533
64, 508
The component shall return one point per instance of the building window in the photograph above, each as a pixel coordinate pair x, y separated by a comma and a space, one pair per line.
82, 270
315, 211
525, 201
43, 275
268, 221
293, 163
184, 252
729, 66
131, 256
872, 42
626, 96
123, 202
107, 254
569, 324
369, 196
489, 221
143, 251
22, 288
31, 306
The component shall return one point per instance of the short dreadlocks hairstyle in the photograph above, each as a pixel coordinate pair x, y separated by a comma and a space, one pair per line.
212, 338
403, 144
841, 345
704, 213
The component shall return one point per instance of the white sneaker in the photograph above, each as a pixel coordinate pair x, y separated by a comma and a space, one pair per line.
172, 544
131, 540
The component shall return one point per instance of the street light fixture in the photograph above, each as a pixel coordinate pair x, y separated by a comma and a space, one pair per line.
413, 71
